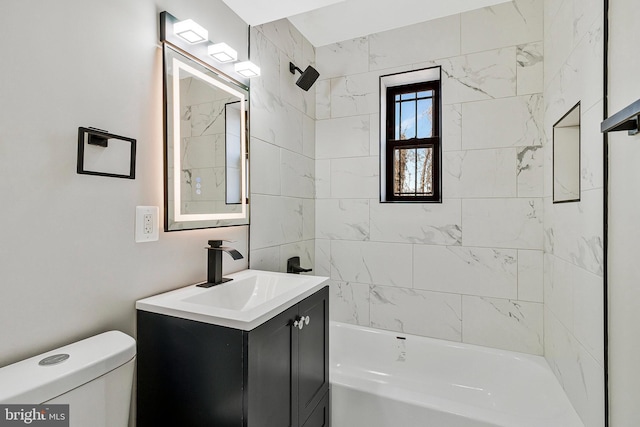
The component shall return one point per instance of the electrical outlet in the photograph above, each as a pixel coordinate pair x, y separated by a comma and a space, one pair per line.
147, 223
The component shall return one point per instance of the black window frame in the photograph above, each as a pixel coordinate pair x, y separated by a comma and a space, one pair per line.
434, 142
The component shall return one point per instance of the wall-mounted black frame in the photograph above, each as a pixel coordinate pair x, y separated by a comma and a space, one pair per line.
562, 124
100, 138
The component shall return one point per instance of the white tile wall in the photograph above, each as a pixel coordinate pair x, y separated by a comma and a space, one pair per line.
283, 168
349, 302
479, 76
500, 323
591, 170
409, 267
530, 167
573, 247
530, 275
342, 219
355, 94
298, 175
265, 179
323, 99
506, 122
323, 258
275, 220
341, 59
355, 177
577, 231
469, 271
417, 312
432, 224
530, 68
503, 25
481, 173
502, 223
308, 219
331, 135
496, 257
384, 51
451, 127
581, 376
323, 179
376, 263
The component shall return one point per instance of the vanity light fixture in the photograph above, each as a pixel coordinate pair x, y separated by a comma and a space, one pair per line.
222, 52
247, 69
190, 31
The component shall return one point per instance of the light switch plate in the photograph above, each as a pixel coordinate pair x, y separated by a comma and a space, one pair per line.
147, 223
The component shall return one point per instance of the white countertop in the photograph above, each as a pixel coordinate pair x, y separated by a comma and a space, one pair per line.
257, 297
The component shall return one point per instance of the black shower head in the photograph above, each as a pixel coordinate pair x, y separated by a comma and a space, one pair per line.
307, 78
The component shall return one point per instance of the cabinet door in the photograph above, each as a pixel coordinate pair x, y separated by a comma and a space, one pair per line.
190, 374
320, 417
269, 368
313, 353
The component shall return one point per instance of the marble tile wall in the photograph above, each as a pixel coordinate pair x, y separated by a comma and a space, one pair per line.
468, 269
573, 232
282, 150
496, 264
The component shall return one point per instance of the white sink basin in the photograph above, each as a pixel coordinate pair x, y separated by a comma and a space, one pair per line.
251, 298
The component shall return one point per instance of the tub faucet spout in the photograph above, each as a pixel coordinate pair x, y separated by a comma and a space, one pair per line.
214, 262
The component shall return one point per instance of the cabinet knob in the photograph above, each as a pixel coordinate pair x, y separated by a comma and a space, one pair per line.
307, 320
299, 322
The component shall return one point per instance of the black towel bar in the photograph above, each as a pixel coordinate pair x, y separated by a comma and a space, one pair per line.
625, 119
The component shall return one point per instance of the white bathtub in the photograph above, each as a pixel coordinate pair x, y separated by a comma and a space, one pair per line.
387, 379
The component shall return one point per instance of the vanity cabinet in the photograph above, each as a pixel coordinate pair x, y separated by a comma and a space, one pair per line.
198, 374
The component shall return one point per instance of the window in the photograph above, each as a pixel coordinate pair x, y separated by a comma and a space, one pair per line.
410, 152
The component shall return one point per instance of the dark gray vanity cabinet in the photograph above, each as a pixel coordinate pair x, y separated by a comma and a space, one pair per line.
197, 374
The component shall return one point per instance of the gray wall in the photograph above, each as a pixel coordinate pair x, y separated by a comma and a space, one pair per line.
624, 188
69, 267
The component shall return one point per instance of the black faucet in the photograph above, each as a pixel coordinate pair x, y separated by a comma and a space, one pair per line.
293, 266
214, 263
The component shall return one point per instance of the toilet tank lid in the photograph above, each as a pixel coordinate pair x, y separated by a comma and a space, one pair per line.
28, 382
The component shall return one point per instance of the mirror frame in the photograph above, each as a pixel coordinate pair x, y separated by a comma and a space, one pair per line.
173, 49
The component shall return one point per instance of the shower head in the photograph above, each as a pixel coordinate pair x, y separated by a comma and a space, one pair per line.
307, 78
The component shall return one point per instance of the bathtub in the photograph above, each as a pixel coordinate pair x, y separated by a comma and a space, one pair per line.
387, 379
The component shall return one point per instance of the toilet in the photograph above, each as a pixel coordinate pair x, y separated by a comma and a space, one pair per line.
93, 376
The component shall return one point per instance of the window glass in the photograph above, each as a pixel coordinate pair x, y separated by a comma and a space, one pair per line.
413, 171
425, 118
407, 120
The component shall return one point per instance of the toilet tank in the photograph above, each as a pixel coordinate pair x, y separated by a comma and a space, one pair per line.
95, 380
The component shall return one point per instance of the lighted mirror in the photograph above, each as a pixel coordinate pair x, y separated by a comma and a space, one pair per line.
566, 157
205, 146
